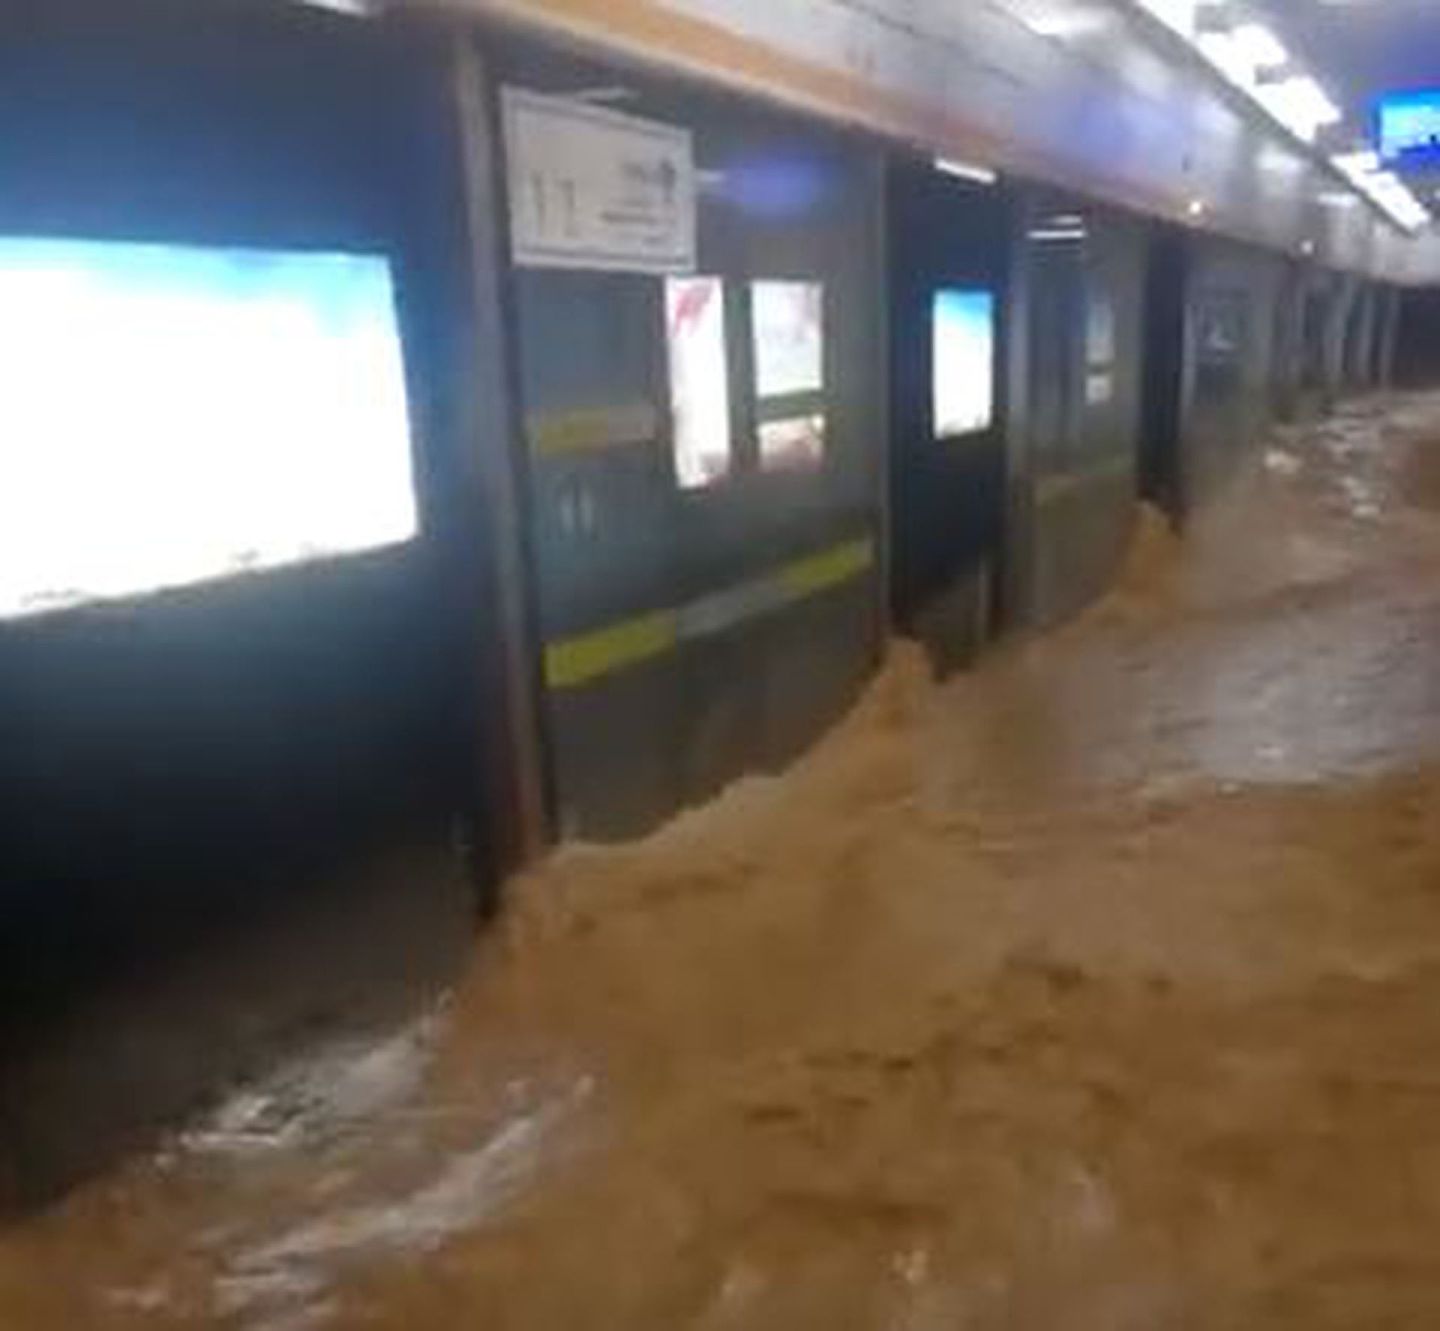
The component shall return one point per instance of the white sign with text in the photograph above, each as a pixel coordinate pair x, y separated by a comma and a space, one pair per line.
592, 188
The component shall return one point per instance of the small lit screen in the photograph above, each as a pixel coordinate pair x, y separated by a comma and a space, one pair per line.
171, 414
964, 364
1410, 127
699, 379
789, 335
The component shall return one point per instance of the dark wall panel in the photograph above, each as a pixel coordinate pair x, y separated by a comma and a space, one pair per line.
1417, 340
225, 730
1087, 303
1085, 523
1288, 342
819, 657
1230, 344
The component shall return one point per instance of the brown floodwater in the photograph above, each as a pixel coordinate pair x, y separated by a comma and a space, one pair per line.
1098, 988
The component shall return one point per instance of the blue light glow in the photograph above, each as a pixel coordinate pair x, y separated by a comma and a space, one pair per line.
1409, 127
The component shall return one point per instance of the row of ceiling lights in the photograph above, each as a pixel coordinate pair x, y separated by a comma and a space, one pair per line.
1249, 56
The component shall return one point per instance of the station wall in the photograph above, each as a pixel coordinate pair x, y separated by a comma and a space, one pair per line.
691, 614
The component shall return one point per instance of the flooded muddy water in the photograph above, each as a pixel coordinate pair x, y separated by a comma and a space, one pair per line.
1098, 988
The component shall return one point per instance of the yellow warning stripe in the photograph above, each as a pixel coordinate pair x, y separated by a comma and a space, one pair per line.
829, 568
555, 433
574, 662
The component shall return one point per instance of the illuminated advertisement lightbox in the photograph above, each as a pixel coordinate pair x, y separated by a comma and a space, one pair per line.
964, 361
172, 414
699, 379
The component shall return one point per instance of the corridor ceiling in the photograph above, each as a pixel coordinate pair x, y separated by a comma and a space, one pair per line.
1363, 48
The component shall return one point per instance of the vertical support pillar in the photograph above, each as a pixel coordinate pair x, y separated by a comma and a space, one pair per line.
1362, 351
1342, 300
1017, 589
1386, 336
878, 178
515, 823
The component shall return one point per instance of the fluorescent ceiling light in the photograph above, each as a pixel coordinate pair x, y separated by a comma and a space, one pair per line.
979, 175
355, 8
1061, 19
1300, 104
1177, 14
1357, 164
603, 96
1222, 51
1385, 189
1260, 47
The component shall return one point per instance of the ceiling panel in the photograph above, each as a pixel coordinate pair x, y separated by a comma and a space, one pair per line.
1362, 48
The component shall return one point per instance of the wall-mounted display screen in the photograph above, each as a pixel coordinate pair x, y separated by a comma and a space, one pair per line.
172, 414
699, 379
789, 329
1409, 127
963, 325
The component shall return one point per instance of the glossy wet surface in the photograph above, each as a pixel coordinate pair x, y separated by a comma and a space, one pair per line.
1097, 989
